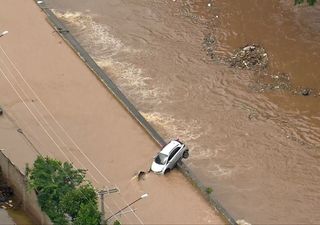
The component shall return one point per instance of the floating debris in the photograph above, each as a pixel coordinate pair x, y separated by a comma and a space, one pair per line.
250, 57
20, 131
208, 45
5, 194
266, 82
306, 92
140, 175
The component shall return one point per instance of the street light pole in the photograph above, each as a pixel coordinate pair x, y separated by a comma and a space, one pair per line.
141, 197
102, 205
101, 193
4, 33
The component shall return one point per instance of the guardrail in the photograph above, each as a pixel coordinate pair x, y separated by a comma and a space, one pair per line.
104, 78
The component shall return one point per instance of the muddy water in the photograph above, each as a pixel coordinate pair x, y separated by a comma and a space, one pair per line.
259, 150
4, 217
14, 217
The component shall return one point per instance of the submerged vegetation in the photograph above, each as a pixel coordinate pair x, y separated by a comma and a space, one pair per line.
209, 190
63, 193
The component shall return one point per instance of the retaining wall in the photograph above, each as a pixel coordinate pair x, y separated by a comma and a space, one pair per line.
104, 78
17, 181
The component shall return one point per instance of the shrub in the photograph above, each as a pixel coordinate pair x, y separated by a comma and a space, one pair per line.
209, 190
116, 222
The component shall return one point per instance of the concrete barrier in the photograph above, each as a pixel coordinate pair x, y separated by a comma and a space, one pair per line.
17, 181
104, 78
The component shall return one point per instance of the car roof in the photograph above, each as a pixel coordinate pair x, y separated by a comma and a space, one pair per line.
170, 146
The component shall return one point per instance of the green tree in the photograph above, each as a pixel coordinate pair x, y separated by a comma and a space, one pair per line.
83, 195
310, 2
61, 189
88, 215
53, 177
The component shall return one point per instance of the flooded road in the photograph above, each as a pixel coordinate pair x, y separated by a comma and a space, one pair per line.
258, 149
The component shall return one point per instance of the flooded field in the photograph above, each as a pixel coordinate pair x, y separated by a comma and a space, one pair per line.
254, 135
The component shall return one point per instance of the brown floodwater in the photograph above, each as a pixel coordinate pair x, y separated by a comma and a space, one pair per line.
258, 149
14, 217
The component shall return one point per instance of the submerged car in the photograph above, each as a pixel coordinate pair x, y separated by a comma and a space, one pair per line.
169, 156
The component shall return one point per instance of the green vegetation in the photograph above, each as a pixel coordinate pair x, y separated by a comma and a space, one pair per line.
209, 190
62, 190
310, 2
116, 222
88, 215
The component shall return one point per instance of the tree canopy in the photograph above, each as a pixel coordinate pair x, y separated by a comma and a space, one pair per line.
62, 190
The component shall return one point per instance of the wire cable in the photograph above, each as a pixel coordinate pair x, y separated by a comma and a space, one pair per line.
55, 120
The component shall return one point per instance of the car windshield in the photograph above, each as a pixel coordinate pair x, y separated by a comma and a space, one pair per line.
161, 159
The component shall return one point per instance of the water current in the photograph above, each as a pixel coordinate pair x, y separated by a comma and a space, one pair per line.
258, 148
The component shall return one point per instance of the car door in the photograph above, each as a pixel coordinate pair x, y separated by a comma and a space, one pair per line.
173, 158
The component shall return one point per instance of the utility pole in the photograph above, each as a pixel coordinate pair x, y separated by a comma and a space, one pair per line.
101, 194
138, 199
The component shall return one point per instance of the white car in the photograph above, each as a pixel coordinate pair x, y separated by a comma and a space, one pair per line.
168, 157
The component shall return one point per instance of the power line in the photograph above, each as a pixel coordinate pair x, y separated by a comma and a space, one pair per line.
47, 123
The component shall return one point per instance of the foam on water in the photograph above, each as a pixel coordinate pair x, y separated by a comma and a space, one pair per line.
188, 131
107, 51
218, 170
90, 31
132, 80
